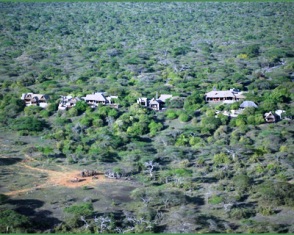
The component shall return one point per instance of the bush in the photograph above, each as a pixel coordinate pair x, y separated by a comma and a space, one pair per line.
221, 158
171, 114
266, 210
215, 200
82, 209
154, 127
241, 213
184, 117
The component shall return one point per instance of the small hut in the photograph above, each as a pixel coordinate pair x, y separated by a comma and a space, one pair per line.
247, 104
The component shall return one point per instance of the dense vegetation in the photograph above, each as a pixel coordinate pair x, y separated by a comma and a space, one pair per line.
196, 172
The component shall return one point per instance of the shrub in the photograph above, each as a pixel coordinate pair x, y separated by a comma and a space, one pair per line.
154, 127
210, 124
72, 112
184, 117
221, 158
266, 210
82, 209
171, 114
97, 122
242, 182
215, 200
86, 121
241, 213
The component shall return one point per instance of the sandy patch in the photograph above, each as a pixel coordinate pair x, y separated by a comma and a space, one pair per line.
65, 178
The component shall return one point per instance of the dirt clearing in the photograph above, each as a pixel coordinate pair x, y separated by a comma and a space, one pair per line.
66, 178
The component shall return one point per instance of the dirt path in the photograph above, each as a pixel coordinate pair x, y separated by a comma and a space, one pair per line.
63, 178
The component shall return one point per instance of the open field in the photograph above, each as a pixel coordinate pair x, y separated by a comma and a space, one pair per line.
38, 191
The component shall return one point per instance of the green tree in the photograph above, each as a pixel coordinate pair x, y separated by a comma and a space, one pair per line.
242, 182
28, 123
136, 129
193, 102
210, 124
154, 127
221, 158
251, 50
11, 221
81, 107
182, 140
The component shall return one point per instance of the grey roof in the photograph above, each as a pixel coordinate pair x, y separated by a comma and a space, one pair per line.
97, 97
217, 94
247, 104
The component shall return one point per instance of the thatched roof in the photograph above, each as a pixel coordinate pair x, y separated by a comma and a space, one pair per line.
247, 104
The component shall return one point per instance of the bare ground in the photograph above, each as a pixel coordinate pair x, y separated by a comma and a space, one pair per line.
65, 178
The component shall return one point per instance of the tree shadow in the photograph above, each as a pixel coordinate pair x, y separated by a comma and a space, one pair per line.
9, 161
144, 139
215, 225
26, 207
57, 155
5, 172
109, 157
40, 219
205, 179
43, 220
195, 200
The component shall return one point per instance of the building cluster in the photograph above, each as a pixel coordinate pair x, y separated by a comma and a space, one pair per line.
67, 102
235, 113
234, 95
100, 98
155, 103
